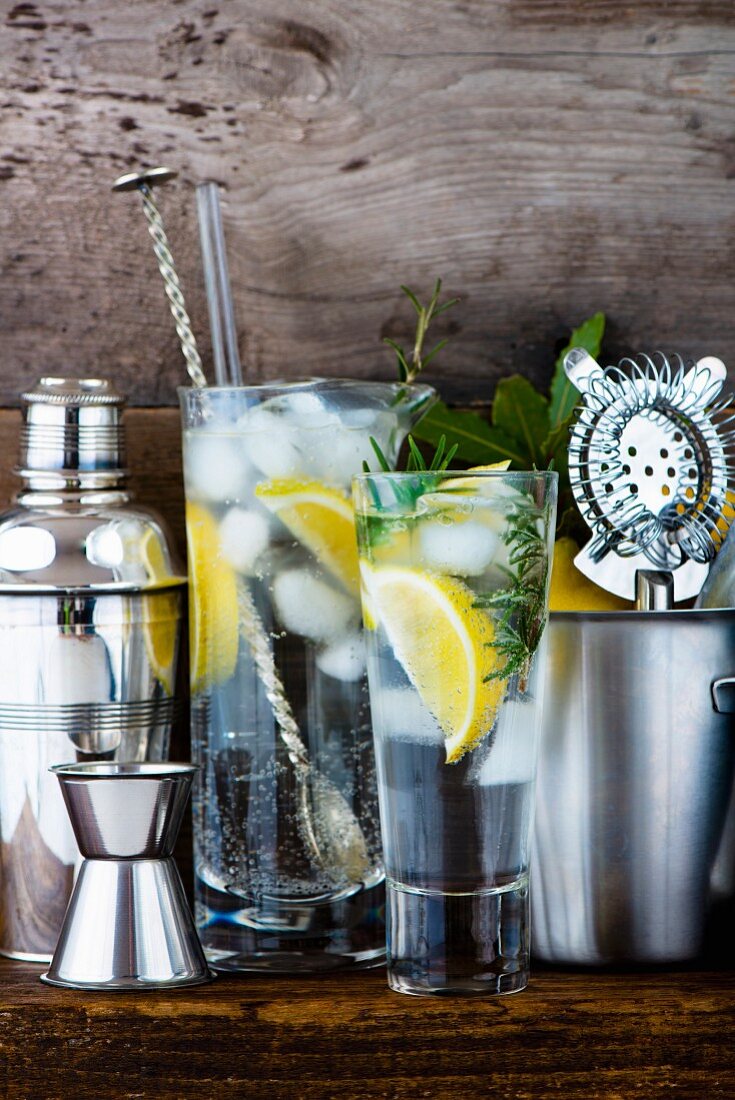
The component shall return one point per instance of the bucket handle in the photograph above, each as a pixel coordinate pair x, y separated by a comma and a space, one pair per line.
723, 694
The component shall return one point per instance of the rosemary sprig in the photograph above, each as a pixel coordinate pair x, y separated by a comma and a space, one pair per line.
407, 491
522, 604
411, 364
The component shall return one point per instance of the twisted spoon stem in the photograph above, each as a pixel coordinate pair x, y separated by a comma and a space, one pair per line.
173, 288
260, 647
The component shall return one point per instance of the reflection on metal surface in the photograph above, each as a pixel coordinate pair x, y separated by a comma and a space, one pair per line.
635, 774
91, 603
26, 548
100, 685
128, 924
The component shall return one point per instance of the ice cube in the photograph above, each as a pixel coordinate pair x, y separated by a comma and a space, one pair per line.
271, 444
342, 455
216, 467
510, 755
344, 659
307, 606
359, 418
464, 549
399, 713
302, 407
243, 538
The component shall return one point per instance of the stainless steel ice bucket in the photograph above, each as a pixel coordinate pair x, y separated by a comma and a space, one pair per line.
635, 775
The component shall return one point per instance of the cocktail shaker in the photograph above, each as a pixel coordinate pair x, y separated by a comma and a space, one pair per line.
91, 601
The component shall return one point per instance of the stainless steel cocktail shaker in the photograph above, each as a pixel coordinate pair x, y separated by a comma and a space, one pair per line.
91, 601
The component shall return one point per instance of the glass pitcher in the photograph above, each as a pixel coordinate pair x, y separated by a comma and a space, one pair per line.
287, 857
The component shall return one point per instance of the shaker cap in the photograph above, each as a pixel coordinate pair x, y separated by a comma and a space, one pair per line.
52, 390
74, 527
72, 431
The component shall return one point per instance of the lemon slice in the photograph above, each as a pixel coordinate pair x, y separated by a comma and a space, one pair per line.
455, 497
444, 644
570, 590
160, 611
160, 635
323, 521
473, 484
213, 622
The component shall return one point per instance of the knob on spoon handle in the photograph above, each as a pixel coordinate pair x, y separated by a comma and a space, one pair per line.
143, 182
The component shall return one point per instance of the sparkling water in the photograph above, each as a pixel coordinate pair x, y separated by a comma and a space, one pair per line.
456, 835
263, 899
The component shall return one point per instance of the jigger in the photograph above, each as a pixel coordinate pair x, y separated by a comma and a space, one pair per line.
128, 925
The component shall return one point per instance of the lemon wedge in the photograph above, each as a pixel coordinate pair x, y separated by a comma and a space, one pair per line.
473, 484
322, 520
572, 591
444, 644
213, 622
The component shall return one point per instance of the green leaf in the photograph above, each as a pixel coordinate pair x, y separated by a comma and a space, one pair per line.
478, 442
522, 413
434, 351
445, 307
558, 441
438, 454
382, 460
564, 396
418, 458
410, 294
447, 460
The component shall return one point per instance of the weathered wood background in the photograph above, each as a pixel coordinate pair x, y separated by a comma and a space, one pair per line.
547, 157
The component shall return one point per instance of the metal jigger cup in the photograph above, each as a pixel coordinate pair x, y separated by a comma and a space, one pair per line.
128, 924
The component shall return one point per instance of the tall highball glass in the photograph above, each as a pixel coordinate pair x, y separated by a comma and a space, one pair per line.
455, 575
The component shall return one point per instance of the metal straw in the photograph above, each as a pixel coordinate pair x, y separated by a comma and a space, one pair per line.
142, 181
227, 368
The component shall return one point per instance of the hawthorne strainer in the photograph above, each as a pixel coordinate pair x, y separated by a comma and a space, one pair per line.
651, 460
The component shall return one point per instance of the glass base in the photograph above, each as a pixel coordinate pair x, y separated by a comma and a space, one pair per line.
26, 956
462, 945
292, 939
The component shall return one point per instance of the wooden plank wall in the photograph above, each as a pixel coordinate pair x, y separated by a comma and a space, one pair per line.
547, 157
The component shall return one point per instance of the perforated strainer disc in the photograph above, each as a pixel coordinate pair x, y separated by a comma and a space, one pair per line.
651, 459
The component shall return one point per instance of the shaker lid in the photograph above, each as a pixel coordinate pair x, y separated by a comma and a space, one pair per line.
72, 433
52, 390
75, 528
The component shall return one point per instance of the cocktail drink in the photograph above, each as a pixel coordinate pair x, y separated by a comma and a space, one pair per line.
455, 571
288, 865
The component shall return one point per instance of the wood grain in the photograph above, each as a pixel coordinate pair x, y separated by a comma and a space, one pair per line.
581, 1036
547, 157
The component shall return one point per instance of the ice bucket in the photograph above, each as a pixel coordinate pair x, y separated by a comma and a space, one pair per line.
635, 776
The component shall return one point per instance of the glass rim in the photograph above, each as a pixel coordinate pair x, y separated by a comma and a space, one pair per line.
281, 384
403, 475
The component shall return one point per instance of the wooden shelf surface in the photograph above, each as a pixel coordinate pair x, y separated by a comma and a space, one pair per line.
577, 1035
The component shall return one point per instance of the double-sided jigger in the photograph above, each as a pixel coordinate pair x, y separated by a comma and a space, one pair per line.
128, 925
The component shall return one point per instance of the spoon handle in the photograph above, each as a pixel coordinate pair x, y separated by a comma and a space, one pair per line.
173, 288
257, 639
143, 182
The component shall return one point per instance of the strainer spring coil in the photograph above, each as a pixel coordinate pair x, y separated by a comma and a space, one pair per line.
634, 417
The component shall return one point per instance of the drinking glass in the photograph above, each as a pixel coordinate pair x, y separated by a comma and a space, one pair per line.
455, 574
287, 854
